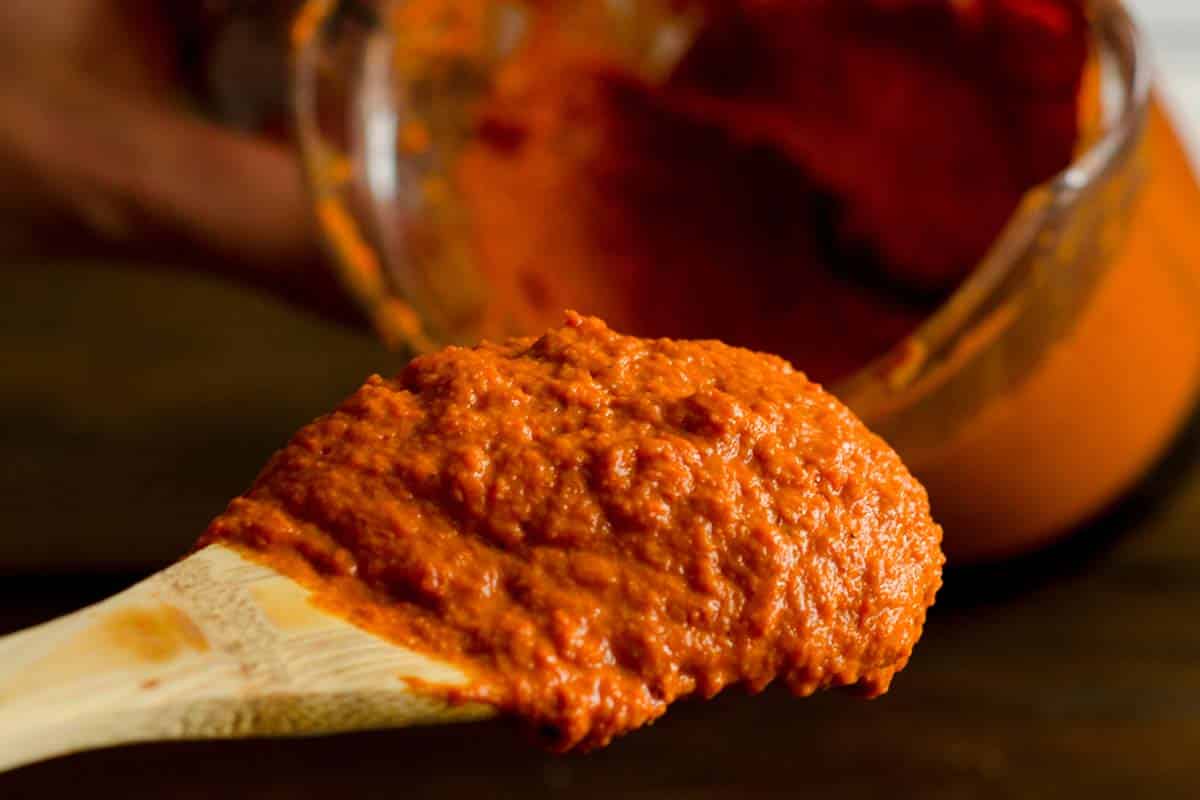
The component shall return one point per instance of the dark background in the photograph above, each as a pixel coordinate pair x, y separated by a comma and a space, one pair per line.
134, 404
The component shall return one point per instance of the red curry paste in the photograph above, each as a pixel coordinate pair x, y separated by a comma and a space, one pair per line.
594, 525
811, 180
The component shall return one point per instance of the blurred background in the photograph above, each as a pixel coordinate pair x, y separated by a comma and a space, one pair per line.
156, 348
1172, 26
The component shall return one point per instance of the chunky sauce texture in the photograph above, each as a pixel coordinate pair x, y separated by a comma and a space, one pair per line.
594, 525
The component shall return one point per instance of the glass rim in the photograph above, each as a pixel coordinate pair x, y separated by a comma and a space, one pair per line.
998, 277
1002, 273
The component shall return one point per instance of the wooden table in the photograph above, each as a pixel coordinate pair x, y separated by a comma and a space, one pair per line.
1076, 673
1073, 674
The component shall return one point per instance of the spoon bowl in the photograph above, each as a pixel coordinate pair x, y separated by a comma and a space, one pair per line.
215, 646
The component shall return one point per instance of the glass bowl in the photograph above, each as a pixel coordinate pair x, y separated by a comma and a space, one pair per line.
1044, 386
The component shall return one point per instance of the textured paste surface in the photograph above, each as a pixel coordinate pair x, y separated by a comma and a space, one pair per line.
594, 525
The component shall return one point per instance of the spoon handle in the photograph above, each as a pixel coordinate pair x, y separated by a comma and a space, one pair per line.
215, 646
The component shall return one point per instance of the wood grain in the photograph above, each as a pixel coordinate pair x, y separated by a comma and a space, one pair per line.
1073, 674
214, 646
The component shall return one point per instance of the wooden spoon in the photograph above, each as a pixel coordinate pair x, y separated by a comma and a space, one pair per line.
215, 646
